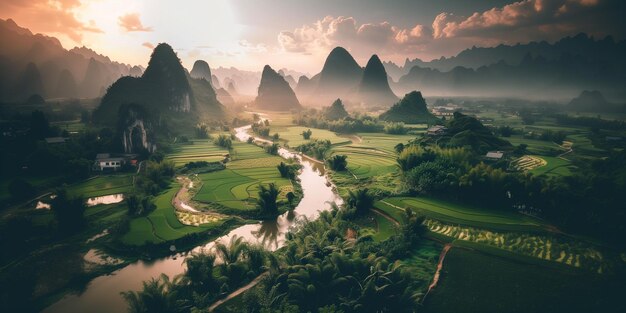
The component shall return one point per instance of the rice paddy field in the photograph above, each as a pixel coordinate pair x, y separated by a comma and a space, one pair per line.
196, 150
162, 224
236, 187
371, 161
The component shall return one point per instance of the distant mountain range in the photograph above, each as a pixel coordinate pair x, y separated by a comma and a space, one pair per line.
37, 64
536, 69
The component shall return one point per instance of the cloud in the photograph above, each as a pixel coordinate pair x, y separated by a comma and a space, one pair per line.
48, 16
148, 45
531, 19
345, 31
521, 21
132, 23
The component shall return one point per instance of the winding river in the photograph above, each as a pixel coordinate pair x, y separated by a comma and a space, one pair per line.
102, 294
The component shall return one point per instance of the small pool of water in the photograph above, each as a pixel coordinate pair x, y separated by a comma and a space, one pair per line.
109, 199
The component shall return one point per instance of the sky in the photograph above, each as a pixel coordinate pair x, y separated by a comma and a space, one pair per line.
298, 35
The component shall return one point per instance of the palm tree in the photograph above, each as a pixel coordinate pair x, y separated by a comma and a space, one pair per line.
338, 162
233, 252
199, 272
360, 201
267, 199
157, 295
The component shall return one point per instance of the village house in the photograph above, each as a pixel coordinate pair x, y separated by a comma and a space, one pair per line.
494, 155
107, 162
436, 130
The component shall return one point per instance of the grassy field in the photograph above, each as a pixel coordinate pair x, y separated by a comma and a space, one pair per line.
102, 185
473, 281
292, 135
554, 167
196, 150
535, 146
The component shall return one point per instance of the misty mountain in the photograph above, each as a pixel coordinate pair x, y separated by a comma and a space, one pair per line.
66, 86
373, 90
603, 51
592, 101
339, 77
201, 69
19, 47
534, 75
411, 110
30, 83
275, 93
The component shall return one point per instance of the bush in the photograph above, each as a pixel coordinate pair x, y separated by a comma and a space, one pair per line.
224, 141
307, 134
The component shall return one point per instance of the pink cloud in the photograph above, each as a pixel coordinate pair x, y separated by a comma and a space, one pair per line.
48, 17
132, 23
148, 45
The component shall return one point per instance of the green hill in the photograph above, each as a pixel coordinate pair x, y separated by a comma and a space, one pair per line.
411, 110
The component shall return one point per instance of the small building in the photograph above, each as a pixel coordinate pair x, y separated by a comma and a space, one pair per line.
105, 162
436, 130
494, 155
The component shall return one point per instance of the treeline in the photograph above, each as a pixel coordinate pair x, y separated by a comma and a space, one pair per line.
592, 122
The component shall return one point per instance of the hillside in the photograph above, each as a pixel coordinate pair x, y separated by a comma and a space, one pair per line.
411, 110
467, 131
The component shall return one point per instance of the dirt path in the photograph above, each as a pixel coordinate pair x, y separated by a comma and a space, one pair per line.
442, 256
237, 292
386, 216
182, 192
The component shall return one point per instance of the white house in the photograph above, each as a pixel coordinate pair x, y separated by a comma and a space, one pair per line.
105, 162
494, 155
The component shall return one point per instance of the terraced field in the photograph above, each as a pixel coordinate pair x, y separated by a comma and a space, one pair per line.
528, 162
511, 232
237, 186
197, 150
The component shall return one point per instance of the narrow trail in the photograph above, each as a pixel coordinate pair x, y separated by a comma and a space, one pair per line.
237, 292
442, 256
386, 216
